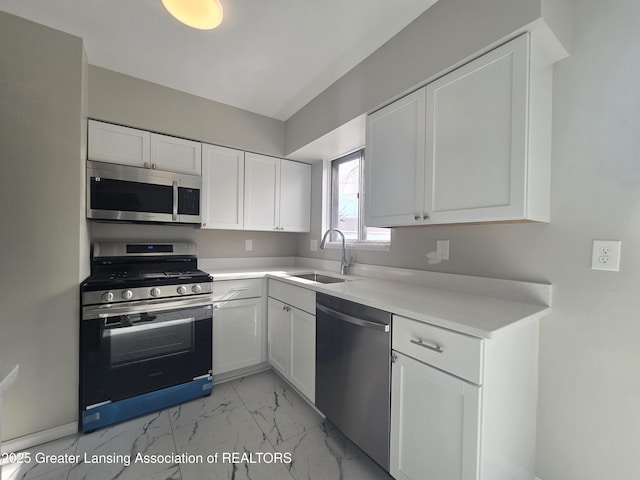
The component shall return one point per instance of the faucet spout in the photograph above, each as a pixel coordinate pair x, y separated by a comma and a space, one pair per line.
344, 264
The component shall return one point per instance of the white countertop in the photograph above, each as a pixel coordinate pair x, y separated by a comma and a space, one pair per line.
8, 375
480, 315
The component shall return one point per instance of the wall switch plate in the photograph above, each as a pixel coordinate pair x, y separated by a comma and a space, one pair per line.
313, 245
606, 255
442, 249
248, 245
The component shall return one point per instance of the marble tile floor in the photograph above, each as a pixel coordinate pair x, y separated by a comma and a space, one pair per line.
257, 418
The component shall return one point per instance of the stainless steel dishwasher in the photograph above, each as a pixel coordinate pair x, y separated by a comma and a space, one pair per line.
353, 372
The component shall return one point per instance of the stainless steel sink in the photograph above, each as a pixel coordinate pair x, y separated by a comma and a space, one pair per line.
316, 277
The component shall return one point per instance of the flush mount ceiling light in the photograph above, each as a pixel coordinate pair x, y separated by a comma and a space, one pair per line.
201, 14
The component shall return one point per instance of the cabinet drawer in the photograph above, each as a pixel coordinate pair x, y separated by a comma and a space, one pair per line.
295, 296
455, 353
237, 289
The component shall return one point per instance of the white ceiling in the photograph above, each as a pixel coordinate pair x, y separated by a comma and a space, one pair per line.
269, 56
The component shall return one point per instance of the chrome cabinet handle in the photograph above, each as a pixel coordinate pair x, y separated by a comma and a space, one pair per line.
286, 309
238, 289
416, 217
153, 165
426, 216
174, 212
435, 347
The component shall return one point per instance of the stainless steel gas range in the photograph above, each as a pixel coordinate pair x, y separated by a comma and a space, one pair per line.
145, 331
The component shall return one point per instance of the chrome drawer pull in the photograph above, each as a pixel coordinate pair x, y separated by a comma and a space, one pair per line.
435, 347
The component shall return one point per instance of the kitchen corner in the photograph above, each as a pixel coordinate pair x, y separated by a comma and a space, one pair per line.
8, 375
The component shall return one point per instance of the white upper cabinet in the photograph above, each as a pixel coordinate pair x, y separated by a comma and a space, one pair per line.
476, 152
262, 192
277, 194
394, 167
176, 154
222, 188
486, 144
139, 148
295, 196
116, 144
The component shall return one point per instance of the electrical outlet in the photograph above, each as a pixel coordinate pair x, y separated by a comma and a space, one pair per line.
248, 245
606, 255
313, 245
442, 249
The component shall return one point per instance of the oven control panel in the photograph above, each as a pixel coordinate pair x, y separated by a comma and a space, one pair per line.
145, 293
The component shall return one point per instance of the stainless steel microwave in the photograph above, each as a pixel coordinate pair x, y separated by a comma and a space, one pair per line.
132, 194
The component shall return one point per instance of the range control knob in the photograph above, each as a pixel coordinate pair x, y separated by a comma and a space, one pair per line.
127, 295
196, 288
107, 296
182, 289
155, 292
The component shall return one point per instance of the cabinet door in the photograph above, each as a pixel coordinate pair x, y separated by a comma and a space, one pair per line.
237, 334
222, 188
295, 196
261, 192
116, 144
176, 154
279, 336
303, 352
477, 138
394, 163
434, 423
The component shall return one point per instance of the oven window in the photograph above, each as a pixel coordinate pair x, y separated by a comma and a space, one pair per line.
141, 337
124, 196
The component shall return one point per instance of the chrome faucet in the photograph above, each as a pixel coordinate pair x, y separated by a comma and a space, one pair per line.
344, 265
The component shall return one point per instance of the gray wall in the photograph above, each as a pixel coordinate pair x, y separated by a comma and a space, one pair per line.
43, 235
589, 397
447, 33
118, 98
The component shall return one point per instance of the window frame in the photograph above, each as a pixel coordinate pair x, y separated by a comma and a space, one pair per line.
330, 203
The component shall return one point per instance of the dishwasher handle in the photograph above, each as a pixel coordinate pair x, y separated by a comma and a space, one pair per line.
353, 320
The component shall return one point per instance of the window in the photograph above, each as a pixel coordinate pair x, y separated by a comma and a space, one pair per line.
346, 206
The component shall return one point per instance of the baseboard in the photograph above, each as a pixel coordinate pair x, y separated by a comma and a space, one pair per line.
38, 438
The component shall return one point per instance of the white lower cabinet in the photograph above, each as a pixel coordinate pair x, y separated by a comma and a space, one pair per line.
237, 325
292, 335
462, 407
434, 423
279, 336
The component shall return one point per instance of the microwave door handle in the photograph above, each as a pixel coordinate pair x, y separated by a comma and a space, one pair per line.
175, 200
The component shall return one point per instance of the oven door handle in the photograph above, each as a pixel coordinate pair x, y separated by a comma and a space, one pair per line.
146, 306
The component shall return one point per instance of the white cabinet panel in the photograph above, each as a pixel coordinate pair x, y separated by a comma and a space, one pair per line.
295, 196
176, 154
279, 336
434, 423
292, 335
303, 352
116, 144
262, 192
222, 188
277, 194
477, 138
299, 297
394, 157
453, 352
237, 334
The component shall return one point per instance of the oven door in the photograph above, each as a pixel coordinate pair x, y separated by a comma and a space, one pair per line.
139, 347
